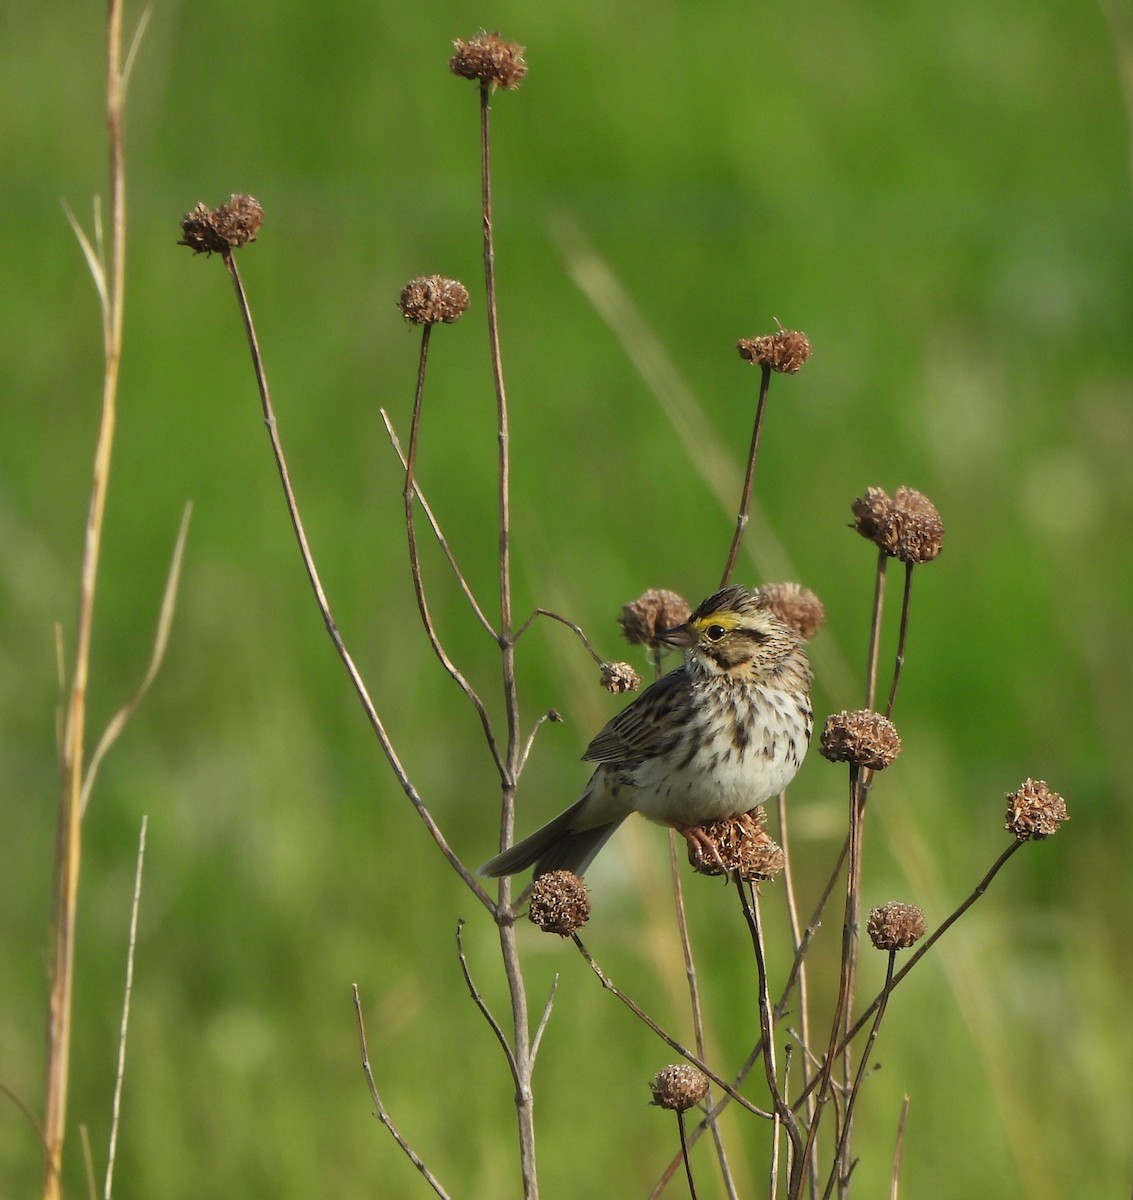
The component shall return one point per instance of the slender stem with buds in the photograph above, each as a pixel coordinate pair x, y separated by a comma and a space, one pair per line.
916, 957
505, 919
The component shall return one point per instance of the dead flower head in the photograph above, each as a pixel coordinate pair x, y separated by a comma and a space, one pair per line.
432, 300
488, 58
794, 605
560, 903
679, 1088
619, 677
1035, 812
862, 738
895, 926
785, 350
217, 230
735, 844
651, 614
907, 526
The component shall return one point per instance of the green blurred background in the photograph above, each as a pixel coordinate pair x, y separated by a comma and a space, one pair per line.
938, 195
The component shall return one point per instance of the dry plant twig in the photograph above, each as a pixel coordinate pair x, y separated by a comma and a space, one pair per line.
380, 1108
120, 1068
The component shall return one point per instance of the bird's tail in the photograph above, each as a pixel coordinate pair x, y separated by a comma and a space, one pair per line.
557, 846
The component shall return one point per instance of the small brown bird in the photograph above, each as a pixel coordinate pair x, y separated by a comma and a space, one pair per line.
714, 738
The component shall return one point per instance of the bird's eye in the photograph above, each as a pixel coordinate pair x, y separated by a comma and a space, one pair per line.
715, 632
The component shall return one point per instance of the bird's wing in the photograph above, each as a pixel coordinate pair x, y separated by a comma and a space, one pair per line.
646, 726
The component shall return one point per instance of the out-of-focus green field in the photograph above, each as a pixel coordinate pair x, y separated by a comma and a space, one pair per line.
938, 195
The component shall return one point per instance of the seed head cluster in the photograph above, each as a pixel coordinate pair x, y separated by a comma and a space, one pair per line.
736, 844
216, 230
862, 738
907, 526
1035, 812
895, 926
559, 903
786, 350
489, 59
651, 614
794, 605
432, 300
619, 677
679, 1088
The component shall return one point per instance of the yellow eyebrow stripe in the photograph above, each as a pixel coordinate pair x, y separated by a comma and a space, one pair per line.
726, 620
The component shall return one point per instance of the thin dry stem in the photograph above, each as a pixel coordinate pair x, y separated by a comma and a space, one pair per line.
110, 281
902, 635
541, 1027
415, 562
921, 950
381, 1113
844, 1001
798, 968
749, 477
120, 1069
324, 605
935, 936
842, 1153
122, 717
554, 616
898, 1148
875, 629
749, 902
696, 1009
668, 1039
509, 949
481, 1004
684, 1154
434, 524
552, 716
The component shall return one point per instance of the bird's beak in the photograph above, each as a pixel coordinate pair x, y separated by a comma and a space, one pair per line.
678, 636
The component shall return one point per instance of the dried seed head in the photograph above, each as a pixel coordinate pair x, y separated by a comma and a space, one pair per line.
863, 738
651, 614
232, 225
679, 1088
488, 58
432, 300
895, 926
559, 903
786, 350
907, 526
1035, 812
794, 605
735, 844
620, 677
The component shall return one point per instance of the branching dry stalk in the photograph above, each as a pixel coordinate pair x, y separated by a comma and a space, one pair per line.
323, 603
380, 1109
799, 1116
667, 1038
